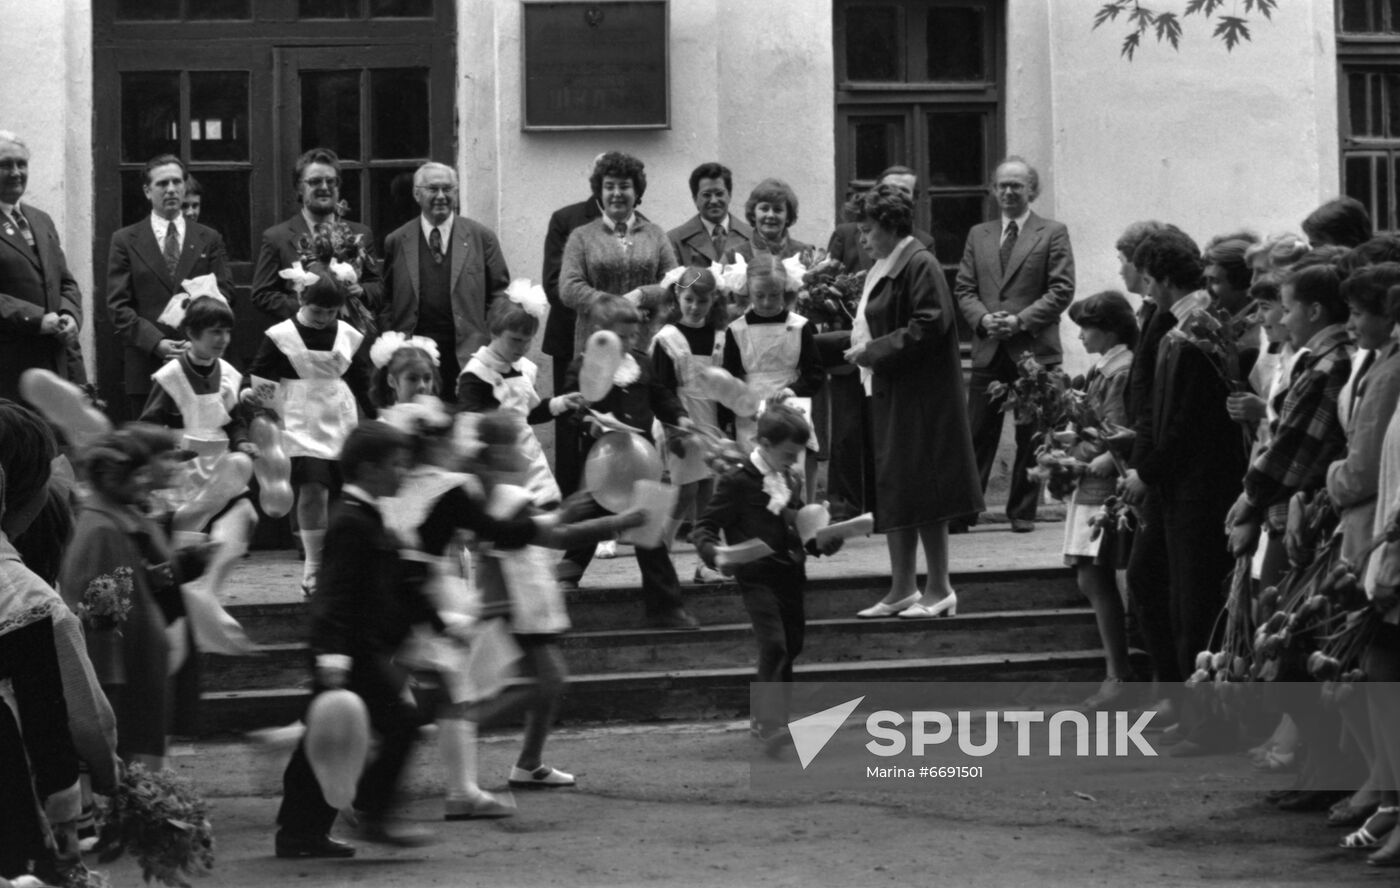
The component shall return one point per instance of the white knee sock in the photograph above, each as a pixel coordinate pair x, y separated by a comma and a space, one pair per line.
457, 746
311, 540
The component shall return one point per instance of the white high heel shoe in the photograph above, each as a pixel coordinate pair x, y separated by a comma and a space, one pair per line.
880, 609
946, 607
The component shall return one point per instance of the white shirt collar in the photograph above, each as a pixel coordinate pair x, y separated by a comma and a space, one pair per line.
360, 493
727, 222
311, 222
445, 228
1109, 356
160, 223
8, 209
626, 226
1189, 303
1019, 220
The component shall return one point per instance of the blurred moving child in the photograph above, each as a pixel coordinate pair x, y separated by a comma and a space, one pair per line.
759, 501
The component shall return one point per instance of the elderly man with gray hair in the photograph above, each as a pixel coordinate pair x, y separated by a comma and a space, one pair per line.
41, 308
441, 272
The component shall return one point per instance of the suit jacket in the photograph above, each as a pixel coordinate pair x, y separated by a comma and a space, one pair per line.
694, 246
479, 274
279, 250
139, 286
844, 246
30, 287
1037, 286
559, 329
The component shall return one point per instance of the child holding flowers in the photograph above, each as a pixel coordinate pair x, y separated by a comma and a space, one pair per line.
1108, 329
311, 376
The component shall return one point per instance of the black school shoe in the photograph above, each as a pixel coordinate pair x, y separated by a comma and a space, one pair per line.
292, 847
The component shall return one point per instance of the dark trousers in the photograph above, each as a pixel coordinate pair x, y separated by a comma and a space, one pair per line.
448, 367
775, 605
568, 456
136, 405
1149, 592
851, 467
304, 810
986, 418
661, 590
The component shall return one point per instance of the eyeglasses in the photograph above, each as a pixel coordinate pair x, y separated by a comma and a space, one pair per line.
438, 189
330, 182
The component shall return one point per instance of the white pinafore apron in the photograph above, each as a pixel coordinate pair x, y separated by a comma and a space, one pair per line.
318, 410
204, 417
517, 394
702, 410
770, 353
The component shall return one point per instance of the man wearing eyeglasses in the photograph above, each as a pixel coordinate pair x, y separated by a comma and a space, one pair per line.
317, 175
442, 271
1015, 280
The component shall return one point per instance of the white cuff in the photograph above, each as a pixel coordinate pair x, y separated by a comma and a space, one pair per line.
558, 405
333, 661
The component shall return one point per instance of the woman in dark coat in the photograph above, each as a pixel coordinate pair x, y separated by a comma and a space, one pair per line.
906, 344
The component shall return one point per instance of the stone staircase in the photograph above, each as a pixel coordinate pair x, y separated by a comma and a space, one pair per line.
1013, 625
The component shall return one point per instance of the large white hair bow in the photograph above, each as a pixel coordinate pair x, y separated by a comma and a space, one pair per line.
344, 272
299, 276
530, 298
384, 347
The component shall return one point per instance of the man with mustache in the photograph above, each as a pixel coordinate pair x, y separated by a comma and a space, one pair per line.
442, 272
40, 305
146, 265
317, 176
711, 235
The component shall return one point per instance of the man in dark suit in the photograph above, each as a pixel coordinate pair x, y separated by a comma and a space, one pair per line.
711, 235
146, 265
41, 309
1015, 280
559, 332
841, 403
441, 271
317, 176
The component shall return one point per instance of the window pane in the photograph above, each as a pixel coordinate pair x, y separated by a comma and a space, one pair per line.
399, 110
1381, 212
878, 142
219, 10
1392, 23
401, 8
393, 203
328, 9
150, 104
351, 194
1358, 183
147, 10
135, 206
953, 217
218, 115
330, 111
223, 206
1357, 105
872, 43
956, 149
955, 49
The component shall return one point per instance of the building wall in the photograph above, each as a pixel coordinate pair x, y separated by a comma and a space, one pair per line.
46, 66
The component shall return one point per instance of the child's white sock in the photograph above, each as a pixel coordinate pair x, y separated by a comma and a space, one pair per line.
457, 746
311, 540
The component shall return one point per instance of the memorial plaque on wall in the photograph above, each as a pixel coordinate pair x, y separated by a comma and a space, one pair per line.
596, 64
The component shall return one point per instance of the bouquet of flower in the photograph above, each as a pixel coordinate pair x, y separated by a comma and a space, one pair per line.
1059, 411
334, 244
107, 600
1217, 335
830, 294
163, 822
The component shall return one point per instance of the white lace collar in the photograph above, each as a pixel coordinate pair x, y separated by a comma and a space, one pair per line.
774, 483
628, 372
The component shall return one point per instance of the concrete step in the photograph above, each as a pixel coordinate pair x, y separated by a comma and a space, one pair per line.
689, 693
732, 644
603, 608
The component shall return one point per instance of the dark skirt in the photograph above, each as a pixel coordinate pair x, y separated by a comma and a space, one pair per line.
310, 470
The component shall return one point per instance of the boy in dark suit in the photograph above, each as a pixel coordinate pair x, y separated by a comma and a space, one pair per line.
759, 500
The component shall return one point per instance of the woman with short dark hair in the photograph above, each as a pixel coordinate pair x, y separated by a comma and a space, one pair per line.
905, 342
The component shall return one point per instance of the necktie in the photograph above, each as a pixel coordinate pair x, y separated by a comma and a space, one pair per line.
1008, 243
719, 239
435, 244
620, 229
172, 248
23, 225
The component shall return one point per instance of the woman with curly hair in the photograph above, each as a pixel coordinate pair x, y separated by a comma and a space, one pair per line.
772, 210
619, 251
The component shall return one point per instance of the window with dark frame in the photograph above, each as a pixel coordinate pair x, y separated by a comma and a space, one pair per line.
1368, 95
